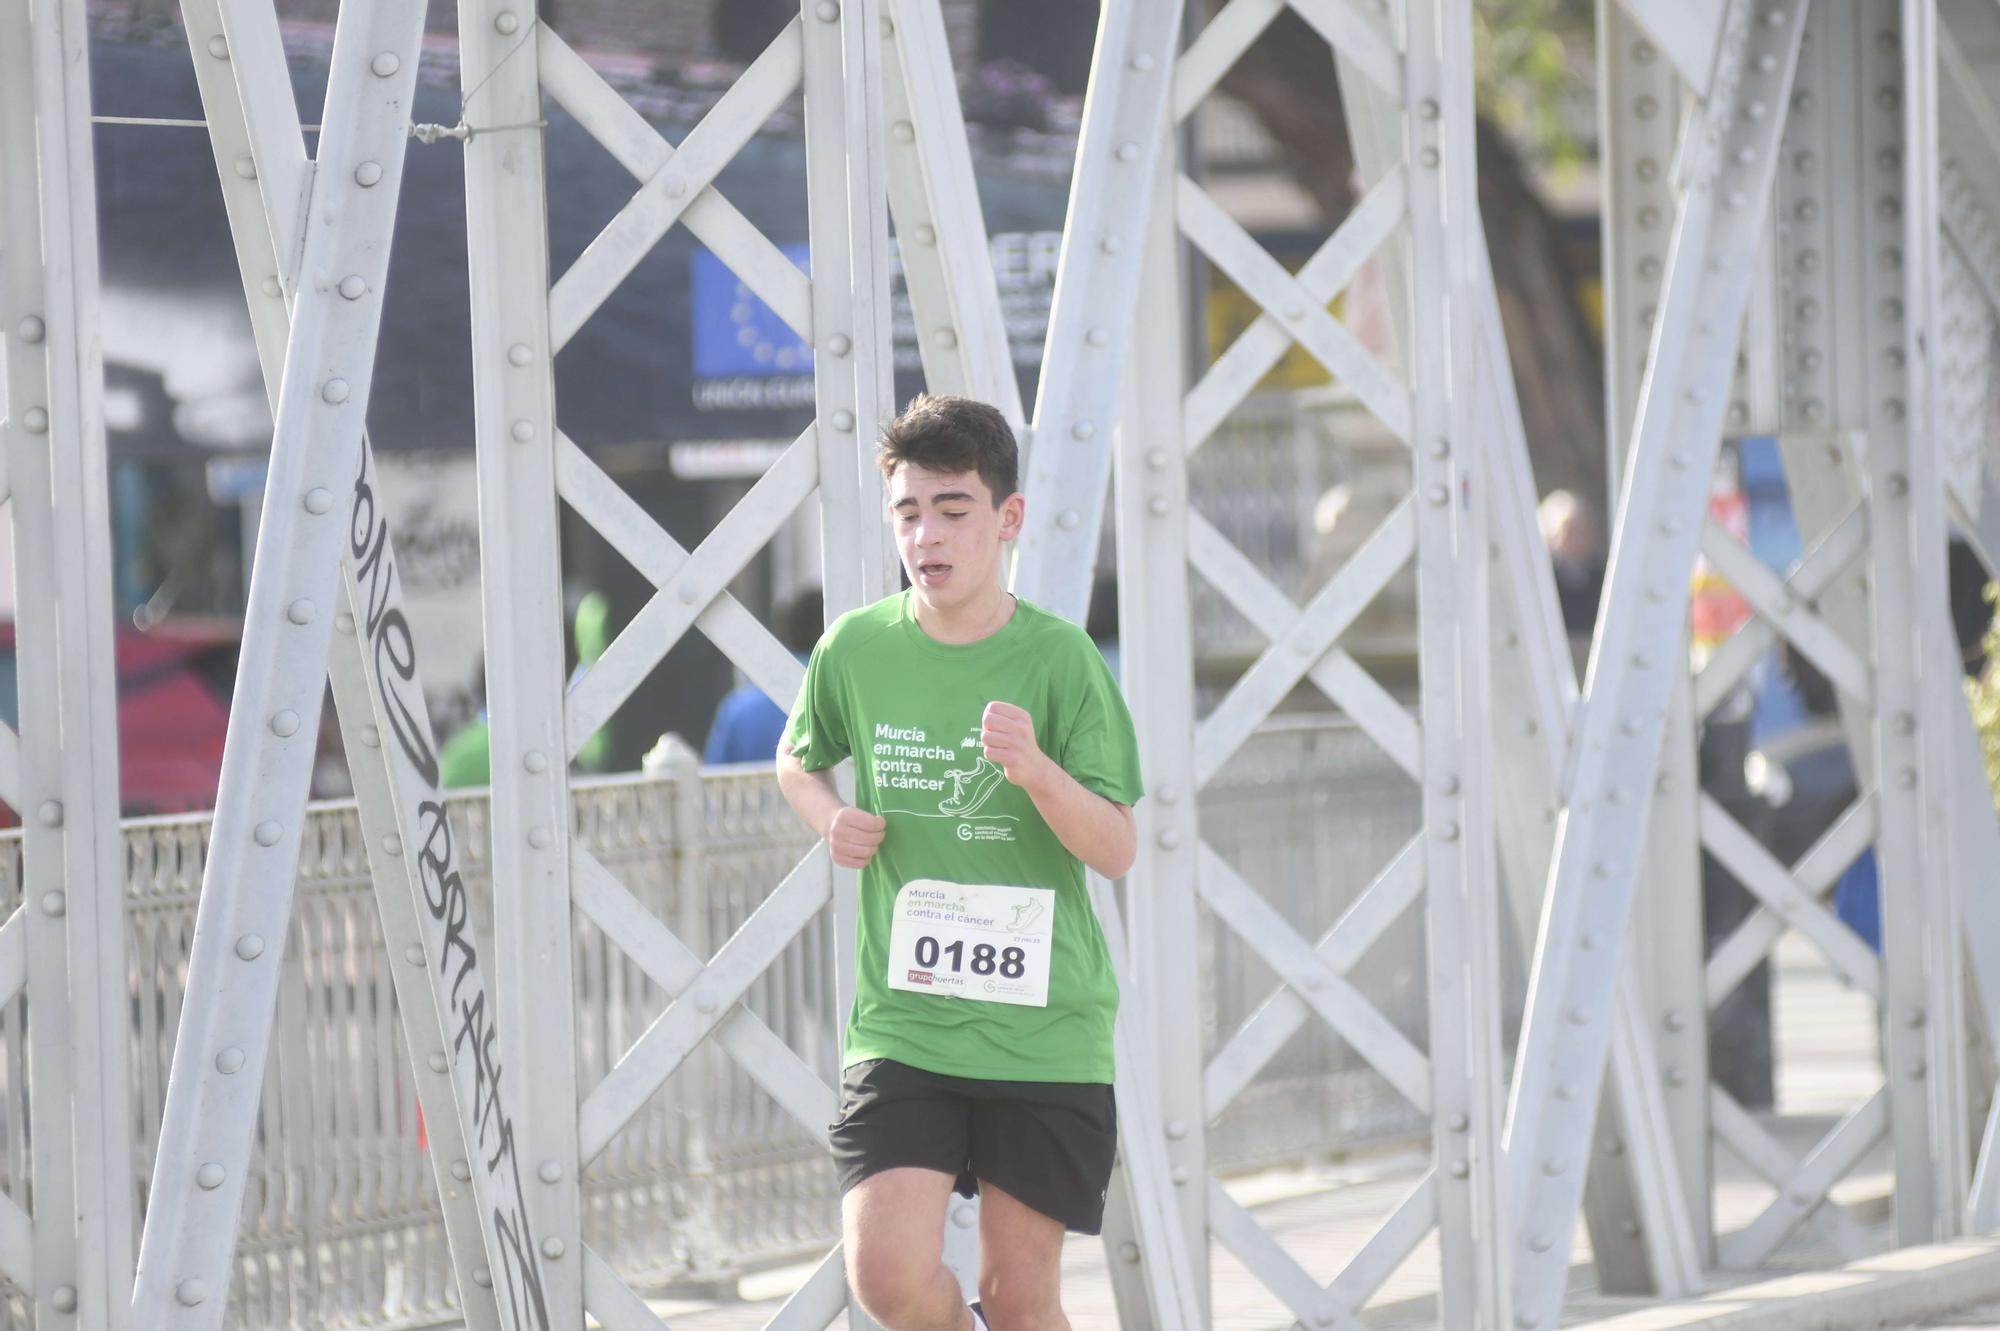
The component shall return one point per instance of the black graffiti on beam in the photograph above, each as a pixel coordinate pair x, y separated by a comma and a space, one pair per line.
478, 1036
387, 629
519, 1280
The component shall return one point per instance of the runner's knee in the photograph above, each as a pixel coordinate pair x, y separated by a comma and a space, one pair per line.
1020, 1296
895, 1289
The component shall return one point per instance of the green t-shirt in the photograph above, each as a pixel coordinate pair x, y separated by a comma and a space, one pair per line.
908, 709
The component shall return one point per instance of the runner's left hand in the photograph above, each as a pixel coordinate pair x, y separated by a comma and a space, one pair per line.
1008, 733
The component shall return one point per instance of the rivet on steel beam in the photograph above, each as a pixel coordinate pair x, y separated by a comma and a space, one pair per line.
300, 611
51, 813
246, 167
1614, 1147
1438, 495
519, 354
506, 23
1646, 107
689, 591
843, 420
461, 1171
1643, 53
553, 1248
827, 11
250, 947
1565, 1091
285, 724
1676, 1077
1156, 458
1098, 337
1141, 63
268, 832
925, 234
1169, 795
36, 420
1756, 110
1128, 1252
1068, 519
903, 131
839, 344
438, 1063
64, 1298
1429, 156
269, 286
675, 185
550, 1172
368, 175
32, 329
538, 837
385, 64
1539, 1243
334, 391
1914, 1018
218, 46
1448, 832
534, 760
1459, 1169
191, 1293
705, 1001
1554, 1167
319, 501
1169, 838
1177, 1129
523, 431
230, 1061
1127, 151
1158, 506
55, 905
210, 1176
1588, 942
482, 1276
371, 737
1672, 1021
1578, 1016
1905, 723
1082, 430
1917, 1070
1180, 1176
353, 286
392, 844
1111, 242
1459, 1123
414, 954
946, 338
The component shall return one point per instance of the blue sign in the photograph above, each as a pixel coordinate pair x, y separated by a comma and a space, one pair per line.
736, 335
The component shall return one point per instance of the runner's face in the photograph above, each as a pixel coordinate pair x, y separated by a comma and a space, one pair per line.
950, 534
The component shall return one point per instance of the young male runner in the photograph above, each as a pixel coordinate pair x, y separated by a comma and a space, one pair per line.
994, 759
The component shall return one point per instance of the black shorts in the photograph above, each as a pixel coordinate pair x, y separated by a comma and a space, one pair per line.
1050, 1144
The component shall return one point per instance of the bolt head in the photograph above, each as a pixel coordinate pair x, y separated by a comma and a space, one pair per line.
300, 611
506, 23
550, 1172
414, 954
335, 391
353, 286
483, 1277
534, 760
35, 420
32, 329
385, 64
839, 344
538, 837
191, 1293
55, 905
210, 1176
393, 844
246, 168
843, 420
368, 175
827, 11
51, 813
553, 1248
229, 1061
319, 501
64, 1299
522, 431
250, 947
268, 832
1128, 152
218, 46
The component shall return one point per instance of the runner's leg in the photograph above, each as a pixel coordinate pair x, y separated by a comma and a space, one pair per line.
1020, 1264
893, 1226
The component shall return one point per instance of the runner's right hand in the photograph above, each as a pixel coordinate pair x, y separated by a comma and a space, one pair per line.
854, 835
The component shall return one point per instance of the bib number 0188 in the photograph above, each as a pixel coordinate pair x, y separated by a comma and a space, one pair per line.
1011, 962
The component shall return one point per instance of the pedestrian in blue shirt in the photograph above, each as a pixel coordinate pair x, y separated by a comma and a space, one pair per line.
748, 724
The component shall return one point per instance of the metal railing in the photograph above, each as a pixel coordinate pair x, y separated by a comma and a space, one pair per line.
340, 1223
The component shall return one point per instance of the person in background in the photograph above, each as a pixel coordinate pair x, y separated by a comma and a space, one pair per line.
466, 759
747, 723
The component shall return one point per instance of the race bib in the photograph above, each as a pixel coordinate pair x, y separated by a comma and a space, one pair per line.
963, 940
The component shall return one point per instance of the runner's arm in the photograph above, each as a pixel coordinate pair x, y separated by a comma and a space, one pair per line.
812, 795
1096, 830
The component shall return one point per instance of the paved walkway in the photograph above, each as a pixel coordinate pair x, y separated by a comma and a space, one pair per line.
1322, 1216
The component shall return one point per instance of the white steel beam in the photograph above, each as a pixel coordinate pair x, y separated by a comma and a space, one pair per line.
521, 597
1156, 627
1639, 110
185, 1251
940, 232
422, 912
1917, 675
1728, 167
74, 1257
1097, 276
1686, 30
1453, 509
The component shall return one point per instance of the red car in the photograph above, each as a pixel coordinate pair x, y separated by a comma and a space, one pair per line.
174, 681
